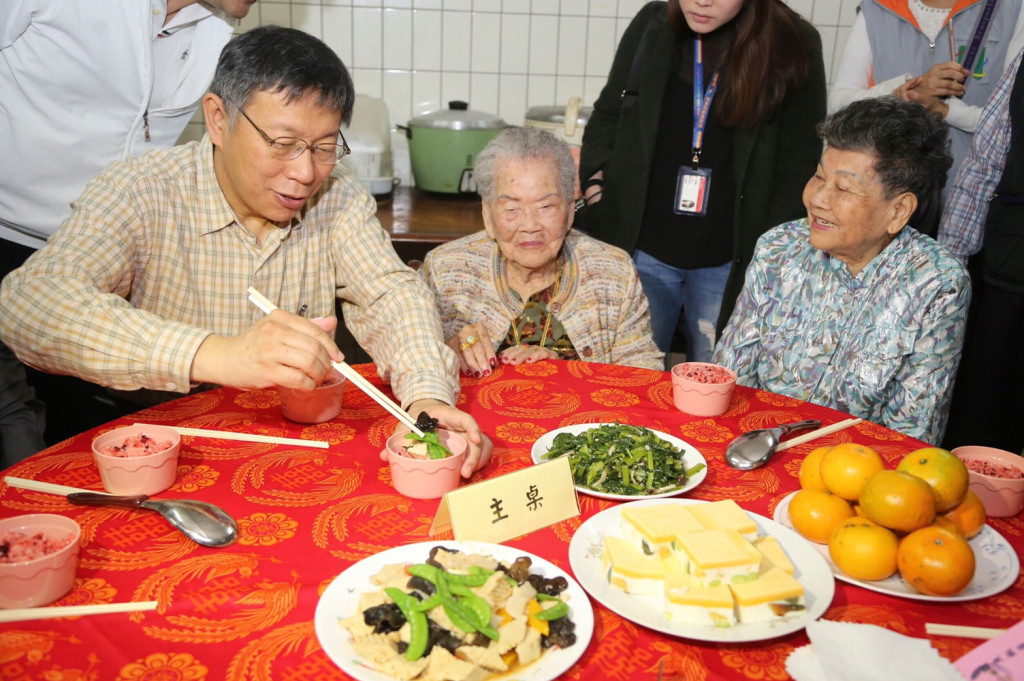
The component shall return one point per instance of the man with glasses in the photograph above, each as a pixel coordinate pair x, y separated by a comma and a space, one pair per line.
145, 285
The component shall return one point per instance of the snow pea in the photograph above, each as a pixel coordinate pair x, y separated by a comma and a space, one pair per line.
419, 630
556, 611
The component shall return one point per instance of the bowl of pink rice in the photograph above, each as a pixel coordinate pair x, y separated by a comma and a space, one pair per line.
38, 559
997, 477
702, 388
139, 459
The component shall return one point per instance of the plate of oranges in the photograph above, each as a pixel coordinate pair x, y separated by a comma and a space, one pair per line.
914, 530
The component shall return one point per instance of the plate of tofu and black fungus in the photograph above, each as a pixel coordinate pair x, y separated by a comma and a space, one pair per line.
454, 610
706, 571
624, 462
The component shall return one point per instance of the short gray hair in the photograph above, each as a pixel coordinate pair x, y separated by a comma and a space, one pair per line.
517, 143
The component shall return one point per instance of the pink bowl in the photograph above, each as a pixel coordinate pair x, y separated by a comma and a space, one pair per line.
321, 404
1003, 497
45, 579
697, 398
131, 475
426, 478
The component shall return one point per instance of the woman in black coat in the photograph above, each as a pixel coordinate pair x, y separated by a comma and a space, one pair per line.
692, 232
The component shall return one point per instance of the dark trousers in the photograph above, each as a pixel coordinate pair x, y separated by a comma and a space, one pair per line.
988, 399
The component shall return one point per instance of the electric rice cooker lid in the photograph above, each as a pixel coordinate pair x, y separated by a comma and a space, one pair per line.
458, 116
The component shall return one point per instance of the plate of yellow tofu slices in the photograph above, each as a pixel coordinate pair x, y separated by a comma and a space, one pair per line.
707, 571
454, 610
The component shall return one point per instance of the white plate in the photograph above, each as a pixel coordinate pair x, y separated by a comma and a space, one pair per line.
341, 599
691, 457
811, 571
996, 566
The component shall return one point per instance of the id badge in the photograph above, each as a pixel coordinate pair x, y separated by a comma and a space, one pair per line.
692, 188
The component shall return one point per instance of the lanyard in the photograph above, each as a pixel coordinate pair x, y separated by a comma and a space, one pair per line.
980, 30
701, 98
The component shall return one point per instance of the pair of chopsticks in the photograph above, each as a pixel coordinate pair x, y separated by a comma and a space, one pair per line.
26, 614
824, 430
962, 631
247, 437
263, 303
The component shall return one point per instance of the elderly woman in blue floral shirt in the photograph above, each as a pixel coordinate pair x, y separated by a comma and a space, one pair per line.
851, 307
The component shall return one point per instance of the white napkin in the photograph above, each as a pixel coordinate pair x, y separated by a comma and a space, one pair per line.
845, 651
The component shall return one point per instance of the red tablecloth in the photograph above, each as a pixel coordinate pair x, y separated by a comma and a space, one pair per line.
304, 515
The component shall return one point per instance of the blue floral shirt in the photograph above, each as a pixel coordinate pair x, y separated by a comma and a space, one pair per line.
883, 345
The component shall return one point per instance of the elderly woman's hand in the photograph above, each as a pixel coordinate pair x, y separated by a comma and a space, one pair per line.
528, 354
475, 350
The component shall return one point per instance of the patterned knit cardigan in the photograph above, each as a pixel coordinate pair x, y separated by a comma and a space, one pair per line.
599, 299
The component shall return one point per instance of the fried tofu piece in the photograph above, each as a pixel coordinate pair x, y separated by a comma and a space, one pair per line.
530, 648
443, 666
482, 657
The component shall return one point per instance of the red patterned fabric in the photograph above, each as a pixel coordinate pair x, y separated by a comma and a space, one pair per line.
245, 612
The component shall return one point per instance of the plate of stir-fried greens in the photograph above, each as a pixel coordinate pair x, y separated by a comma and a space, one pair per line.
620, 461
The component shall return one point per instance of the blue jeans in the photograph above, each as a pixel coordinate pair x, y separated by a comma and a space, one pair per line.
670, 291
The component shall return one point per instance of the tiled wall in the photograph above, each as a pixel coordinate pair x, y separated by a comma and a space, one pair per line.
501, 56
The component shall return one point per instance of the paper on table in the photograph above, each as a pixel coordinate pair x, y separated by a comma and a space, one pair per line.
846, 651
998, 658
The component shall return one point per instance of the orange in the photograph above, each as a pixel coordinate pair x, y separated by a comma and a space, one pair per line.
935, 561
898, 500
863, 549
846, 467
941, 469
816, 512
969, 515
810, 469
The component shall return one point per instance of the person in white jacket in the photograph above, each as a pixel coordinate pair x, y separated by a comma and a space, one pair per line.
85, 83
914, 49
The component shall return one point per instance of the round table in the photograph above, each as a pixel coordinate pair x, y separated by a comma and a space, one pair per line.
304, 515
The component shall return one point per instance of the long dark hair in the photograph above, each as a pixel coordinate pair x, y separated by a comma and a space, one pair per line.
768, 59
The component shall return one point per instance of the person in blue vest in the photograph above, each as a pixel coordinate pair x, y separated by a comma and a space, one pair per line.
947, 55
700, 141
984, 221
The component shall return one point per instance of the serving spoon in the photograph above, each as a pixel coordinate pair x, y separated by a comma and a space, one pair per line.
200, 521
753, 449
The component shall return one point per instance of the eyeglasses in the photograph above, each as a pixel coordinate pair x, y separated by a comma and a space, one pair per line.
289, 148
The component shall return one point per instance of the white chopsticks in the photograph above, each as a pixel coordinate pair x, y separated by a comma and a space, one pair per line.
47, 487
263, 303
25, 614
247, 437
824, 430
962, 631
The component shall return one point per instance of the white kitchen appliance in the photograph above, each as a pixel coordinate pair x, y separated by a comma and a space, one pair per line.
369, 138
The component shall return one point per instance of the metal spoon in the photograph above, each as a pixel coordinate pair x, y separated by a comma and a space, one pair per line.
200, 521
753, 449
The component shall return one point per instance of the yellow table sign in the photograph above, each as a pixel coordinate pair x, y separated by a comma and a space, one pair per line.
510, 505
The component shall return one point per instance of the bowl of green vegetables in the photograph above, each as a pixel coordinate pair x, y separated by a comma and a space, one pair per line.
623, 462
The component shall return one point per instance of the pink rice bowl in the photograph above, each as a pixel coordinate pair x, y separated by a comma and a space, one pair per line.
50, 574
426, 478
701, 388
1002, 495
143, 474
321, 404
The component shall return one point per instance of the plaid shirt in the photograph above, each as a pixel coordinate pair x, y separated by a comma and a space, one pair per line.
151, 261
963, 222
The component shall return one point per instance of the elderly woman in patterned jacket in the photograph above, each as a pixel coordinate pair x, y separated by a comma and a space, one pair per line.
850, 307
528, 288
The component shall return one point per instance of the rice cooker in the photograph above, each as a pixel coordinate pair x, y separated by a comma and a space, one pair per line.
566, 123
443, 146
